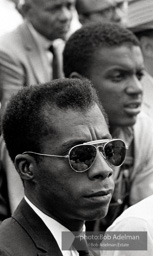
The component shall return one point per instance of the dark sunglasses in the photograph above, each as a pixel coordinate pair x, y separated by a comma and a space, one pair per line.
81, 157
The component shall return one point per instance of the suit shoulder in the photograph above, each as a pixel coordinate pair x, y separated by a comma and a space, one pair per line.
14, 240
13, 39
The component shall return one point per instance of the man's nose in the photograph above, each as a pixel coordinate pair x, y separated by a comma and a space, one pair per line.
66, 14
134, 86
100, 169
117, 15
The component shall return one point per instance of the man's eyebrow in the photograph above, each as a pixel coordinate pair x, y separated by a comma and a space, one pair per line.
120, 69
72, 143
107, 136
126, 69
142, 68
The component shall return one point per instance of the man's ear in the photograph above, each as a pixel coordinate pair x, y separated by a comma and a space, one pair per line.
147, 46
75, 75
25, 165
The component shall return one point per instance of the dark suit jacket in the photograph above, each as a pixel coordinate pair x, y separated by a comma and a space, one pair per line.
25, 234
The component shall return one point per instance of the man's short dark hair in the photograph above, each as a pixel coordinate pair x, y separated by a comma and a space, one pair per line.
25, 121
79, 49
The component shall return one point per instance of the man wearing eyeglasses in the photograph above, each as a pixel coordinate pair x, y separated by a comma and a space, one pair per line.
102, 10
110, 56
57, 136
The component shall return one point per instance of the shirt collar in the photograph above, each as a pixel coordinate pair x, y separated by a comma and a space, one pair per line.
55, 227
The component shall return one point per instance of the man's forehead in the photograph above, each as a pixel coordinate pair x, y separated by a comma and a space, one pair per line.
125, 55
89, 124
92, 5
61, 1
53, 2
119, 1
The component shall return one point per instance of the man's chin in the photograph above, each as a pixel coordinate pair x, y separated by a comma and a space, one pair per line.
132, 120
126, 122
98, 215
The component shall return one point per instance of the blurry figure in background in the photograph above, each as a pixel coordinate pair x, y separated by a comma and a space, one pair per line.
75, 24
9, 16
32, 54
5, 210
0, 103
27, 53
140, 21
110, 56
137, 218
4, 200
102, 10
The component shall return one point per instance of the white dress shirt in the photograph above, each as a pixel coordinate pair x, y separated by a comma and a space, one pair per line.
56, 229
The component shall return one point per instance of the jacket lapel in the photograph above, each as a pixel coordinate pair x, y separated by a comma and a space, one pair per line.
37, 230
34, 57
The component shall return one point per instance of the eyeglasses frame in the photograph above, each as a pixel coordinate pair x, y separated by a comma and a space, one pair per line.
92, 143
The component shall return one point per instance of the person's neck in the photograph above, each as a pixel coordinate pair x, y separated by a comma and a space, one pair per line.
71, 224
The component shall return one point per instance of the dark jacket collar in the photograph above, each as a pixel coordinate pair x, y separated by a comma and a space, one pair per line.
36, 229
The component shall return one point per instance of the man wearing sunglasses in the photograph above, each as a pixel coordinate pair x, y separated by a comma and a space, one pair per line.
110, 56
57, 136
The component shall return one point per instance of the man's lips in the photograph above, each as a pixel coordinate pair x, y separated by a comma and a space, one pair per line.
133, 108
100, 193
133, 105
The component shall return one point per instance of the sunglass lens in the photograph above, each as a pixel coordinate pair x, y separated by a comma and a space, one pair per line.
115, 152
82, 157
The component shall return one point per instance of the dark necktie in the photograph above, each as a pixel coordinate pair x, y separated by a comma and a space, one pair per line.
81, 246
55, 66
